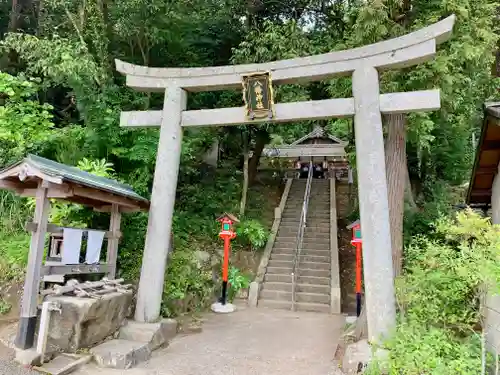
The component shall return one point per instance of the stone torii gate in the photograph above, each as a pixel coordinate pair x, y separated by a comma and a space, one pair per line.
367, 106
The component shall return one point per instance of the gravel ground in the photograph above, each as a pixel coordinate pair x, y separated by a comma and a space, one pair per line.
8, 366
247, 342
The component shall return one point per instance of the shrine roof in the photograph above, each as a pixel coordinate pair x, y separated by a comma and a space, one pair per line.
319, 132
487, 157
333, 147
69, 183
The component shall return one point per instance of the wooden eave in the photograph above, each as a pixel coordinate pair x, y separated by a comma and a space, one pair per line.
24, 177
487, 158
289, 151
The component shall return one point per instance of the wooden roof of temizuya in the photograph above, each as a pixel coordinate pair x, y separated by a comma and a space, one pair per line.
69, 183
487, 158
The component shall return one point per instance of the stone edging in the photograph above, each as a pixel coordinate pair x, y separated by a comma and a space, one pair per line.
254, 289
335, 303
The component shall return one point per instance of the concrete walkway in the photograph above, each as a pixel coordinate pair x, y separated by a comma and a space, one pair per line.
248, 342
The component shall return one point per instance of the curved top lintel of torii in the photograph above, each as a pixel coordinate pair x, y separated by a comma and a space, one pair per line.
404, 51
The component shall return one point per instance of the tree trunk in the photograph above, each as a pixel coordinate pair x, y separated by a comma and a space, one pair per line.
396, 169
14, 16
22, 17
408, 189
261, 139
244, 192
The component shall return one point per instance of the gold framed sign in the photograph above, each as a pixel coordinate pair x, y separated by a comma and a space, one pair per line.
258, 96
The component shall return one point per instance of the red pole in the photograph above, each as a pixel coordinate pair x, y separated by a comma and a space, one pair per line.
225, 268
358, 278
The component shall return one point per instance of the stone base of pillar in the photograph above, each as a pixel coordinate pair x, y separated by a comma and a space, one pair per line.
219, 308
358, 356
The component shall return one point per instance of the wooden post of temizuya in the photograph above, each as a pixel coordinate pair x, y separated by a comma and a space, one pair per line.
114, 228
373, 204
495, 200
27, 322
154, 259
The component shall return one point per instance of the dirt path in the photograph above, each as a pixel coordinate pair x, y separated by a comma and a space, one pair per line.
7, 364
248, 342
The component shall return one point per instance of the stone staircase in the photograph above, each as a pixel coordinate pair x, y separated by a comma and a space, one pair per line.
313, 281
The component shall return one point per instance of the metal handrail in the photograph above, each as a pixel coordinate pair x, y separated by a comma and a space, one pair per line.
300, 232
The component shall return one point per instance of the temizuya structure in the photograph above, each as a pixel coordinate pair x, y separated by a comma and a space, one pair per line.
367, 107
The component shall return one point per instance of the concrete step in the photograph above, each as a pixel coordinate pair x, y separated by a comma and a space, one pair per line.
315, 252
303, 258
280, 295
314, 280
302, 265
300, 306
323, 238
313, 272
317, 228
306, 288
294, 205
278, 271
281, 264
311, 215
288, 227
315, 246
320, 214
277, 278
321, 269
310, 244
314, 265
289, 250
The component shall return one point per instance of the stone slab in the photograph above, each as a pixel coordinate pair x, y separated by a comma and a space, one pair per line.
28, 357
84, 322
155, 335
64, 364
121, 354
358, 355
253, 293
219, 308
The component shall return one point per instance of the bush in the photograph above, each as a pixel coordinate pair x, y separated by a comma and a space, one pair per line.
236, 281
188, 287
446, 275
5, 307
252, 234
14, 250
418, 349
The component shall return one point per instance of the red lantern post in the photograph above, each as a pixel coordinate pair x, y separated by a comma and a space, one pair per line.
227, 234
357, 241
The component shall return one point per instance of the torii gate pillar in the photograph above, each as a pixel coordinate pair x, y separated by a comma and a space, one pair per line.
366, 106
161, 211
373, 202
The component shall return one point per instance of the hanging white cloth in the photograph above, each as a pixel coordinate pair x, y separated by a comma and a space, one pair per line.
94, 245
72, 244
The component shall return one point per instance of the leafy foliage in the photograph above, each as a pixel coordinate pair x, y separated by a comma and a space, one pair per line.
236, 281
61, 98
253, 233
24, 122
440, 297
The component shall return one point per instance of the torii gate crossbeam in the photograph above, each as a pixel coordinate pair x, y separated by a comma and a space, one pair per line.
367, 106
